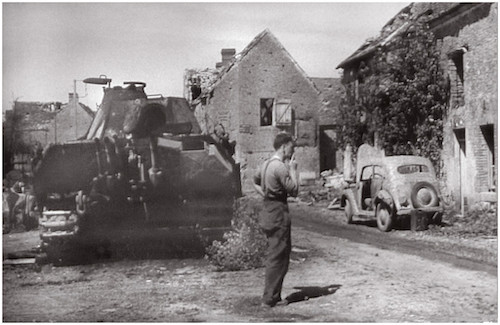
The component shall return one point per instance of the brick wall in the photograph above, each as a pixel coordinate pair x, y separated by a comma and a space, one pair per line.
479, 106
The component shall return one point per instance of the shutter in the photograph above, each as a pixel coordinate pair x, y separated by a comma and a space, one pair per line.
283, 112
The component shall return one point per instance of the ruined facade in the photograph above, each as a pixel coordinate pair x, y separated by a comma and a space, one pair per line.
72, 121
39, 124
46, 123
467, 38
331, 92
257, 94
33, 121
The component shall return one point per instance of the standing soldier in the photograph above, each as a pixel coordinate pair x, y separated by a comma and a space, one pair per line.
275, 182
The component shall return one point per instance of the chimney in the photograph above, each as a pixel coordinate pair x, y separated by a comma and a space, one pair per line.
227, 56
72, 97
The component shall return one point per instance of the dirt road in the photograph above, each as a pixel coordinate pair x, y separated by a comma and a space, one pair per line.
477, 253
331, 279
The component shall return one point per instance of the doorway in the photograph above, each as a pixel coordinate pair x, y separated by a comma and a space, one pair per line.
460, 136
327, 148
488, 131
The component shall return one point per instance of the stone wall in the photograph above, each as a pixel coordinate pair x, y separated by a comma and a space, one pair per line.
72, 122
467, 37
474, 102
265, 71
35, 122
46, 123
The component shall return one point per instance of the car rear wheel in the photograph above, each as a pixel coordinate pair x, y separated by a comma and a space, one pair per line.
384, 217
348, 211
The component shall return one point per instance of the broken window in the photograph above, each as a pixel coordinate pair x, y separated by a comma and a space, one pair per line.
276, 113
195, 87
266, 111
460, 135
457, 77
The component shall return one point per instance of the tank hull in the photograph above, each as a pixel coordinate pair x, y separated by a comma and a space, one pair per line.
140, 170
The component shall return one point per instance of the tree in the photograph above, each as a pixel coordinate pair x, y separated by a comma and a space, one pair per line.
401, 99
13, 142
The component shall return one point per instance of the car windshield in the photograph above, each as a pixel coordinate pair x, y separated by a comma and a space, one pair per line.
414, 168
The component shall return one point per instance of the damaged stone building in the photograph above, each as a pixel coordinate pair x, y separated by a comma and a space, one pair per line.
253, 95
38, 124
53, 122
331, 92
466, 36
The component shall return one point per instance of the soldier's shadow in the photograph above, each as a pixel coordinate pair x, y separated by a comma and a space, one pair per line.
305, 293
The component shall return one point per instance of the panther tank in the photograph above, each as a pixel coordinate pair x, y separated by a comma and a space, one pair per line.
143, 173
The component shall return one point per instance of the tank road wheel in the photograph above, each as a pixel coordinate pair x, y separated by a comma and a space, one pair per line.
384, 217
348, 211
80, 201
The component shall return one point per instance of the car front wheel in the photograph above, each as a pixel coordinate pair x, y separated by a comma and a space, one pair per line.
384, 217
348, 211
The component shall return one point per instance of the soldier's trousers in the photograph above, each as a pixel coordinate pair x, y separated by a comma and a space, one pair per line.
277, 259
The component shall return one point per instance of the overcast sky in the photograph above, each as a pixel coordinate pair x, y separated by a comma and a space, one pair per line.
48, 45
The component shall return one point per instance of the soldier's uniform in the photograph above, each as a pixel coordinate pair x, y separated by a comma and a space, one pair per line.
274, 179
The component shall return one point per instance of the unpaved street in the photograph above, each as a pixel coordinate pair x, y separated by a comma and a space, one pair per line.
368, 283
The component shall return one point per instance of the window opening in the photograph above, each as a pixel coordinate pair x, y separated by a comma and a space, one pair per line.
460, 134
411, 169
367, 173
457, 77
378, 172
458, 60
266, 111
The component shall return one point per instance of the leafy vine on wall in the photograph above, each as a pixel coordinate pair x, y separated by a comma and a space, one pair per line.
400, 99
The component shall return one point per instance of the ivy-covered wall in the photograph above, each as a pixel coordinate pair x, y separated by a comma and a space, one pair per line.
438, 99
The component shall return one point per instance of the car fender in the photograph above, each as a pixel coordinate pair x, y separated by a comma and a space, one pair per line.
385, 197
349, 195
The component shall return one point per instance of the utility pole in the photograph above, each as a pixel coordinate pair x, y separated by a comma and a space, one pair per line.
75, 101
55, 128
